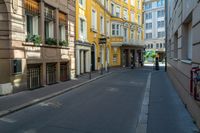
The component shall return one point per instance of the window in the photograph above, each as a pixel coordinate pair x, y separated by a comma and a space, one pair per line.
125, 35
148, 6
151, 45
132, 16
148, 46
31, 25
148, 35
176, 45
160, 13
118, 11
82, 25
148, 15
113, 29
160, 24
161, 45
157, 45
94, 19
112, 9
132, 2
17, 66
107, 5
148, 26
116, 29
62, 32
138, 4
161, 34
139, 35
49, 29
108, 28
82, 2
160, 3
102, 2
125, 14
189, 46
139, 21
132, 35
101, 24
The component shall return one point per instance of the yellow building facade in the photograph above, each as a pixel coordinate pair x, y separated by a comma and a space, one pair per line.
108, 33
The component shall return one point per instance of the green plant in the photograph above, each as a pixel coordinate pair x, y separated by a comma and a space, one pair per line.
150, 54
63, 43
51, 41
153, 55
29, 38
36, 39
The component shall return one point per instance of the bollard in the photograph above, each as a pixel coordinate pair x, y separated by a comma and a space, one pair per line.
108, 68
101, 69
90, 73
157, 64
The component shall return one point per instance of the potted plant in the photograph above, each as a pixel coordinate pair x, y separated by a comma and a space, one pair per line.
51, 41
35, 39
63, 43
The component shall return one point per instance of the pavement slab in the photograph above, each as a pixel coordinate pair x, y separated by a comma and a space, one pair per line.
167, 113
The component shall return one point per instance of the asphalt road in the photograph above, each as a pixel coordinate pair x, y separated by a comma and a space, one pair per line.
108, 105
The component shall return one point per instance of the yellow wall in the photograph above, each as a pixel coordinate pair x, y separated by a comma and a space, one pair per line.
93, 37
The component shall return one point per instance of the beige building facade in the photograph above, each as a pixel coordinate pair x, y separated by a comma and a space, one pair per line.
183, 46
36, 43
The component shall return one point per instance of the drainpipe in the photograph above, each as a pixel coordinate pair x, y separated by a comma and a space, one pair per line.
166, 21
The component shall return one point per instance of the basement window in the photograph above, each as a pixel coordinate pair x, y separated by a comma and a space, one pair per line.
17, 66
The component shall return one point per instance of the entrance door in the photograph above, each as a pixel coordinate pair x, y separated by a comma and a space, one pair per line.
132, 56
80, 62
84, 61
64, 74
126, 56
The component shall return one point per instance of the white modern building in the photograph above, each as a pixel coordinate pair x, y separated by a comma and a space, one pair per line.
154, 25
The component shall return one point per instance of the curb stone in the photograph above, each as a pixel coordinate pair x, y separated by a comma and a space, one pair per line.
143, 117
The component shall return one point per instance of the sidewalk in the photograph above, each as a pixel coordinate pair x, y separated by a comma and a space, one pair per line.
17, 101
167, 113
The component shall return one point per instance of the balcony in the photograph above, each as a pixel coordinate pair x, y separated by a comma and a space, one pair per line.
132, 42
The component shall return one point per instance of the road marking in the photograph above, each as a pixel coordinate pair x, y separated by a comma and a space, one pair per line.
136, 83
53, 104
143, 117
30, 131
7, 120
112, 89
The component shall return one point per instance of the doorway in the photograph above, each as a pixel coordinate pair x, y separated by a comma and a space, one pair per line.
93, 57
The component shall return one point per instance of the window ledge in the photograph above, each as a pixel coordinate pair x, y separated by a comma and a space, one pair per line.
103, 34
186, 61
31, 44
93, 30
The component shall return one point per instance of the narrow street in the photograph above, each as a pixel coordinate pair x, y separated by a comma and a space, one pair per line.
108, 105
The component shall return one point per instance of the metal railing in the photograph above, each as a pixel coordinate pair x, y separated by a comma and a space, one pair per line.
33, 78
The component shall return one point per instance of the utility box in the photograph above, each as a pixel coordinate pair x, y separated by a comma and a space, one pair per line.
6, 89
